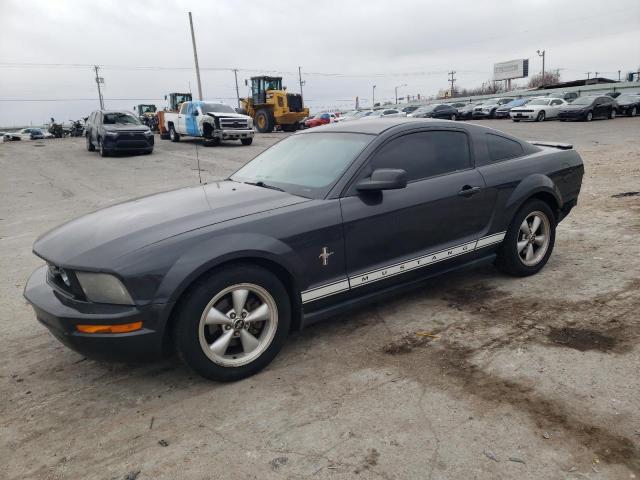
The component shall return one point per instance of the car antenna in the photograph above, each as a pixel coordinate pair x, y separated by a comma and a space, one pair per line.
198, 163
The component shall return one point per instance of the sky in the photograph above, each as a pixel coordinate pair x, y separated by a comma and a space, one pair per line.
47, 48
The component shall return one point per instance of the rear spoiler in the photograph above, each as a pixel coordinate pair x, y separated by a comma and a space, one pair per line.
561, 146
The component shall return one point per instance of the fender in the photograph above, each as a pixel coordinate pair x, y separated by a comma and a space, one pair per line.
529, 186
221, 249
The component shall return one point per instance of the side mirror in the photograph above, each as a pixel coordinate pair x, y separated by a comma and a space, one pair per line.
246, 82
196, 113
384, 179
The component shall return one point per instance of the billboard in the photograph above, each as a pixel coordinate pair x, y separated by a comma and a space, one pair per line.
511, 69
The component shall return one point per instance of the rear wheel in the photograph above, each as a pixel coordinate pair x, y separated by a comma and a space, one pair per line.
541, 116
515, 120
589, 116
173, 135
453, 117
265, 121
529, 240
90, 146
612, 113
233, 323
246, 141
633, 112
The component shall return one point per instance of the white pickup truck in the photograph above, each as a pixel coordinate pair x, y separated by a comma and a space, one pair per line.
209, 120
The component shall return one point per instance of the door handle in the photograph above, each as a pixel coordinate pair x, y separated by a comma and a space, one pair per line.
468, 190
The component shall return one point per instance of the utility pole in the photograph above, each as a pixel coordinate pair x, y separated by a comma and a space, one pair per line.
373, 98
618, 75
399, 86
588, 75
195, 57
301, 84
235, 73
99, 80
452, 73
596, 74
542, 54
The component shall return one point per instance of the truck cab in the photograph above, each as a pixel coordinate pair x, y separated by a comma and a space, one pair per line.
212, 121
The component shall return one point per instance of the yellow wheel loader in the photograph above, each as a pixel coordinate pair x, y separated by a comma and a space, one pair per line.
271, 105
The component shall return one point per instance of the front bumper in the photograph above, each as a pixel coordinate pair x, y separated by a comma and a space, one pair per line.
523, 115
234, 134
579, 115
128, 143
479, 114
60, 314
502, 114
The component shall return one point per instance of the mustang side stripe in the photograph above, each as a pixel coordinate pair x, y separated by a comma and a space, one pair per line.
398, 268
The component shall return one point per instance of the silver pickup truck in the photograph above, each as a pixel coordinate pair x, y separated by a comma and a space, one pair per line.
212, 121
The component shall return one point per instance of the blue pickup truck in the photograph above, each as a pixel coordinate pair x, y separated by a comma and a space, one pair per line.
212, 121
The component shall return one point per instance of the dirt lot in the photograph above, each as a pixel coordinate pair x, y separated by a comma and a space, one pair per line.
475, 376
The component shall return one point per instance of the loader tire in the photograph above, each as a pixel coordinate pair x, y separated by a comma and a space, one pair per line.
265, 121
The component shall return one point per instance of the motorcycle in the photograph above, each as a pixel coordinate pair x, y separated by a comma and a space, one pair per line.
56, 129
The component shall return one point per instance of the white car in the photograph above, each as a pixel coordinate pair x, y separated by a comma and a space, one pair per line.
538, 109
388, 112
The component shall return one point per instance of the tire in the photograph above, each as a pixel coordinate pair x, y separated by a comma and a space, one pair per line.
633, 112
612, 113
246, 141
453, 117
90, 146
541, 116
165, 136
589, 116
173, 135
512, 255
194, 339
264, 121
101, 150
515, 120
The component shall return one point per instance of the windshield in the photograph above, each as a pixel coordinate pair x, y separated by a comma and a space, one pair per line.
147, 108
217, 107
425, 109
583, 101
365, 113
119, 117
539, 101
627, 98
307, 165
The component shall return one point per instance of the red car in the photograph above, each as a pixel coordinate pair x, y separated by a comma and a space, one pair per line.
320, 119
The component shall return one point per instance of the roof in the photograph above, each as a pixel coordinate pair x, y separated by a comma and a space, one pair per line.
374, 126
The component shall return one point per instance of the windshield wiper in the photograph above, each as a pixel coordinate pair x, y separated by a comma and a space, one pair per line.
260, 183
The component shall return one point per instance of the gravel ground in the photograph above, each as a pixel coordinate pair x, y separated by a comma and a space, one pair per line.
475, 375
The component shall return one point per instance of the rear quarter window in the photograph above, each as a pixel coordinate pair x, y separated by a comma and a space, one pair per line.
502, 148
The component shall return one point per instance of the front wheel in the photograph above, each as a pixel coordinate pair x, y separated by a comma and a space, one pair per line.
589, 116
90, 146
173, 135
101, 150
612, 113
540, 117
633, 112
232, 324
529, 240
246, 141
453, 117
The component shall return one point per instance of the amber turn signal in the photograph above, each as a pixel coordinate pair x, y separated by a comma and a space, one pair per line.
121, 328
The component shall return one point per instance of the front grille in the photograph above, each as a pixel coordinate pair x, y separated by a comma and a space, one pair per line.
522, 111
229, 123
295, 102
124, 144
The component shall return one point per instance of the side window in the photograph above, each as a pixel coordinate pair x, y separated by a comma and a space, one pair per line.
183, 108
556, 102
425, 154
501, 148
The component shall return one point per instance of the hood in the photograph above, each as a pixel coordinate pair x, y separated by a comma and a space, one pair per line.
572, 107
227, 115
125, 127
115, 231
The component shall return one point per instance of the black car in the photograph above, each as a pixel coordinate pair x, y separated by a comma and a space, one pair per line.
628, 104
322, 221
116, 131
589, 107
466, 112
442, 111
410, 108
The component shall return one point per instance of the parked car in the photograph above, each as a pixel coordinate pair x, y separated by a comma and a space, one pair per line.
350, 115
628, 104
503, 111
589, 107
442, 111
214, 122
320, 119
466, 112
323, 220
538, 109
27, 134
488, 108
363, 114
115, 131
409, 109
387, 113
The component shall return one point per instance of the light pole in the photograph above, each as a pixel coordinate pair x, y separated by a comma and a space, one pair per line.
373, 97
542, 54
399, 86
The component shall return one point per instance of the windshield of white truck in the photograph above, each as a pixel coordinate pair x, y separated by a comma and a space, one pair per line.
217, 108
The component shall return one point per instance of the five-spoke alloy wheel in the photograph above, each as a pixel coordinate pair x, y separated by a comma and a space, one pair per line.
533, 238
232, 322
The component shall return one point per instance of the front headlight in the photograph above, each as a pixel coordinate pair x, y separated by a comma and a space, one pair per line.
110, 132
250, 123
149, 133
103, 288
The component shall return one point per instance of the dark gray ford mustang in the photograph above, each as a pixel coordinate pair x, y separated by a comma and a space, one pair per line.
321, 221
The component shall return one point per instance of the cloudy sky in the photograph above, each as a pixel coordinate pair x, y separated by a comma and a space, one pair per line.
344, 47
